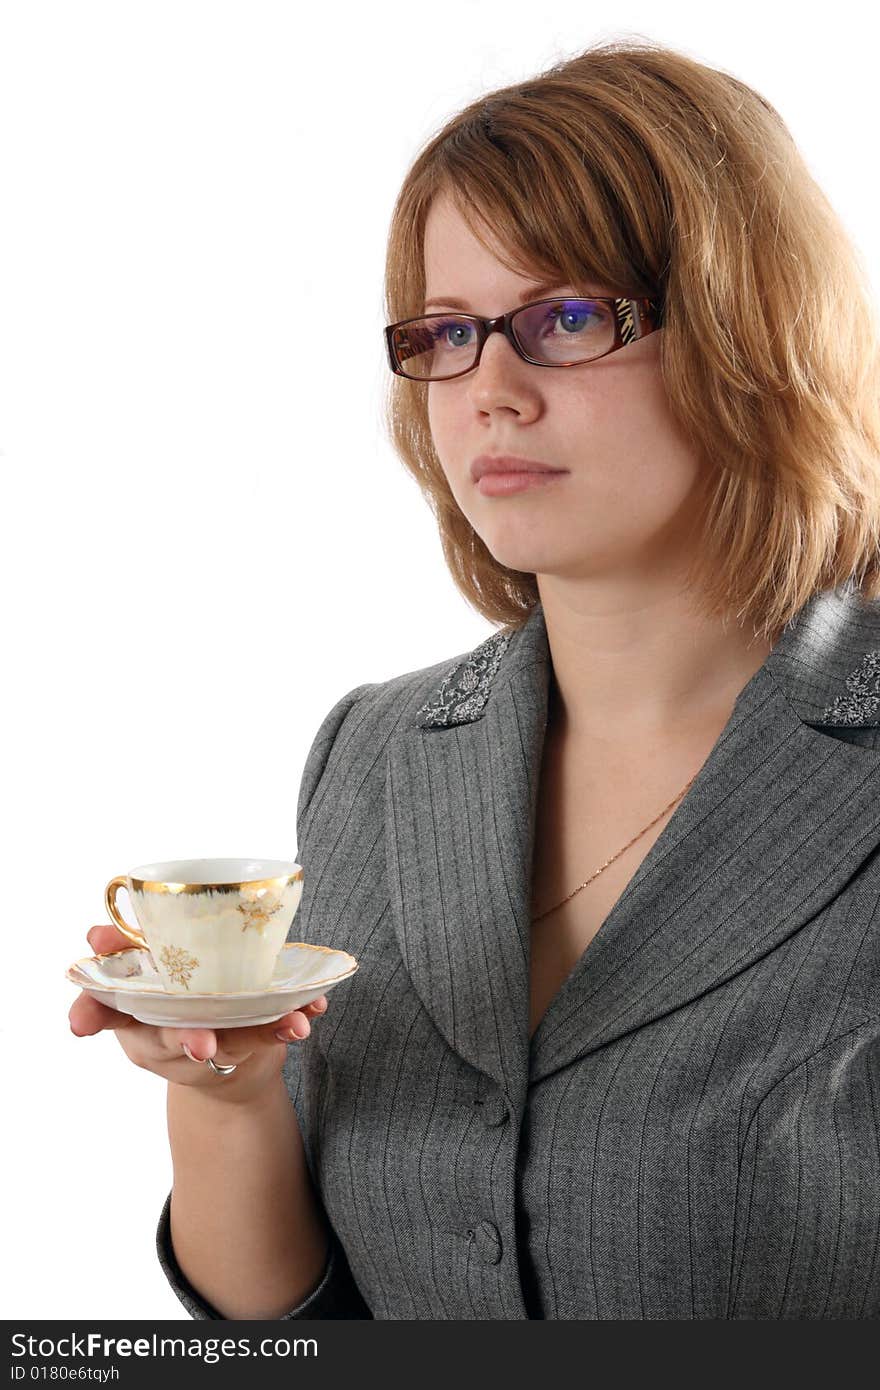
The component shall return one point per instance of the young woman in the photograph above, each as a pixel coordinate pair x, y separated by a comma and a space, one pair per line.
613, 877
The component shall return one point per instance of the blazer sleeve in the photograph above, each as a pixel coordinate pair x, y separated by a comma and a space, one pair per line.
336, 1295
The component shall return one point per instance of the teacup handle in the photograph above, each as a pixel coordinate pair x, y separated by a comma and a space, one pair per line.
134, 936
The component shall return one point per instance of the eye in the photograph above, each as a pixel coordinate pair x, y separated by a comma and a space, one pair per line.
453, 333
573, 317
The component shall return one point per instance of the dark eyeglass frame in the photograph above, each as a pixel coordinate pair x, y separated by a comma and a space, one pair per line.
633, 319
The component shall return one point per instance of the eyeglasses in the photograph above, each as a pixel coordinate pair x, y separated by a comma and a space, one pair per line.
547, 333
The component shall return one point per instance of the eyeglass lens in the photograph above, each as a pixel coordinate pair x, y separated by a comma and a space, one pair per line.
558, 334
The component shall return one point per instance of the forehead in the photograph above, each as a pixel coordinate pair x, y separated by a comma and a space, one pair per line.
452, 248
457, 262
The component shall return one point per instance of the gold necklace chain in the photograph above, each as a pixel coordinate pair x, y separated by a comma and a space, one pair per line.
542, 915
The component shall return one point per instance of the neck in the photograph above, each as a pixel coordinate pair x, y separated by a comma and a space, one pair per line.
656, 667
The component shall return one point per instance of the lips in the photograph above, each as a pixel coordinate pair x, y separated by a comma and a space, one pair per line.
509, 463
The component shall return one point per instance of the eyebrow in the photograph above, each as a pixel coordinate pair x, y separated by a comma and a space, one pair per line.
535, 292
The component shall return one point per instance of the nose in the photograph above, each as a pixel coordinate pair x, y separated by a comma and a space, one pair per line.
502, 380
497, 346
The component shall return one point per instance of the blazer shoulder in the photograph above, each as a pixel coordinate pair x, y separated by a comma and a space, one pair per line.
827, 660
363, 720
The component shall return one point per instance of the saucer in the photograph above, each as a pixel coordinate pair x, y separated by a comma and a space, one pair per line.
128, 980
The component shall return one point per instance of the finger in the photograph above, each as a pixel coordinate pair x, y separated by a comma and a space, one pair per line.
299, 1021
202, 1042
104, 938
237, 1044
314, 1009
88, 1016
291, 1027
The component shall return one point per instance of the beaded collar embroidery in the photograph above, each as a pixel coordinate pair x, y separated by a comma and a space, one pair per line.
861, 703
465, 690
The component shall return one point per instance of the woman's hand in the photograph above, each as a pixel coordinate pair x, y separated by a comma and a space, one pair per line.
258, 1053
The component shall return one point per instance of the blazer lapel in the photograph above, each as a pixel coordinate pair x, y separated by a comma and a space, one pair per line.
461, 795
781, 815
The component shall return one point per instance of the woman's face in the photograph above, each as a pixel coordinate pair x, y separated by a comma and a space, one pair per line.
624, 504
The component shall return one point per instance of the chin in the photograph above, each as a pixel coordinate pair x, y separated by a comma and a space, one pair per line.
525, 554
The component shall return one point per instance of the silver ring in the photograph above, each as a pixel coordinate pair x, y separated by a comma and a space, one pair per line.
221, 1071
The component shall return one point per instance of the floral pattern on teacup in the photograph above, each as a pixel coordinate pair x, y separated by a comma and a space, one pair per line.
257, 910
179, 964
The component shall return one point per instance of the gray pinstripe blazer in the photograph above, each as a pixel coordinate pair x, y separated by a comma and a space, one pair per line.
693, 1131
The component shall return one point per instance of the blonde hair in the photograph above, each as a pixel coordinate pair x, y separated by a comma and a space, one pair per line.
637, 166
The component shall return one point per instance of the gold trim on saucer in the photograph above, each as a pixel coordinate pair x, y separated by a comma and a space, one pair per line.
115, 985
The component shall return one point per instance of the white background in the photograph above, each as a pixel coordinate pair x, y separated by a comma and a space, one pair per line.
207, 538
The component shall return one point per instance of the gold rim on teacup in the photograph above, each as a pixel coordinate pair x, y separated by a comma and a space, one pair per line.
127, 881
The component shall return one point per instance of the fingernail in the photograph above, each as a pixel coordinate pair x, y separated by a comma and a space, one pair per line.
189, 1054
293, 1033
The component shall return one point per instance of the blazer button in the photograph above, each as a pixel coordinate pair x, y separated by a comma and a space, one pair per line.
493, 1109
487, 1241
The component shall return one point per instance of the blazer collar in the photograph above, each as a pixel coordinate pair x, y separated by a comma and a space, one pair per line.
826, 661
779, 818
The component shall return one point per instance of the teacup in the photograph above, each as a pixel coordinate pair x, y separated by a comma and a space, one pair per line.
213, 926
